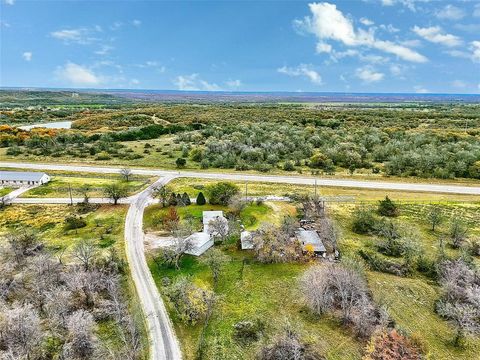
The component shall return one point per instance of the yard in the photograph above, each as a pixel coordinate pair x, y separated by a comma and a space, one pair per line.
250, 290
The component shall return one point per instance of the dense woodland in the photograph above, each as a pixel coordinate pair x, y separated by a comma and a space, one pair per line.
427, 140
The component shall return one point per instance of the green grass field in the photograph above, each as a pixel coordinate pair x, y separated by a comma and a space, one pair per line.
59, 186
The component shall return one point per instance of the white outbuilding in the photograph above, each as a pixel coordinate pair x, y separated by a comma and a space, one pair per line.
246, 238
23, 178
310, 240
199, 242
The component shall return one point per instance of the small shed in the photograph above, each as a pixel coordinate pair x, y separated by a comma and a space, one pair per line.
201, 242
246, 238
311, 239
23, 178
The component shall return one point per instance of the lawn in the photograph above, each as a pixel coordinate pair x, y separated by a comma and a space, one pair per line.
60, 186
251, 216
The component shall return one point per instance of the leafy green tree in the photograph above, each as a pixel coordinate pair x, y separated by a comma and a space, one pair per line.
221, 192
387, 207
186, 199
115, 192
216, 260
435, 216
363, 221
318, 161
180, 162
201, 199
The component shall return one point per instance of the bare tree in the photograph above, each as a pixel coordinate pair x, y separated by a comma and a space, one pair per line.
460, 300
126, 174
81, 342
22, 242
288, 346
20, 331
216, 260
218, 229
330, 287
272, 245
328, 232
86, 252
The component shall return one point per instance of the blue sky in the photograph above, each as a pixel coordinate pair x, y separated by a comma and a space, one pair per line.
352, 46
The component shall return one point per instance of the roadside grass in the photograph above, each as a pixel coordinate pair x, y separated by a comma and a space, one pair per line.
5, 190
59, 186
192, 186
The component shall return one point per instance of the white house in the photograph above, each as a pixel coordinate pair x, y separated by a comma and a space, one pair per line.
209, 216
23, 178
200, 242
311, 239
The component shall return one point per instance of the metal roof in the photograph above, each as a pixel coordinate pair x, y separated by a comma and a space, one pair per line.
310, 237
21, 176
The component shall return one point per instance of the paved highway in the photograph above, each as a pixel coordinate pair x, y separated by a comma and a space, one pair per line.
362, 184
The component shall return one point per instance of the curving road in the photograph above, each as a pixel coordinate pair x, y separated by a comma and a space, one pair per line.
163, 342
361, 184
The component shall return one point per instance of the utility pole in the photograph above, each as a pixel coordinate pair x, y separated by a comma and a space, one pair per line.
70, 191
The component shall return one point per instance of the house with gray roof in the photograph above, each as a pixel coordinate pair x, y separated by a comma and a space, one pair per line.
23, 178
310, 241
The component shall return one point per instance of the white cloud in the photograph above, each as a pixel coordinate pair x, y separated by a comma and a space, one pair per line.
459, 84
134, 82
420, 89
152, 64
366, 22
450, 12
194, 83
27, 55
323, 47
398, 70
79, 36
104, 50
435, 34
389, 28
476, 10
368, 74
305, 70
234, 84
388, 2
136, 22
475, 48
9, 2
328, 23
77, 75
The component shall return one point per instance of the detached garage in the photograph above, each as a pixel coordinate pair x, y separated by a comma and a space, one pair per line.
23, 178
